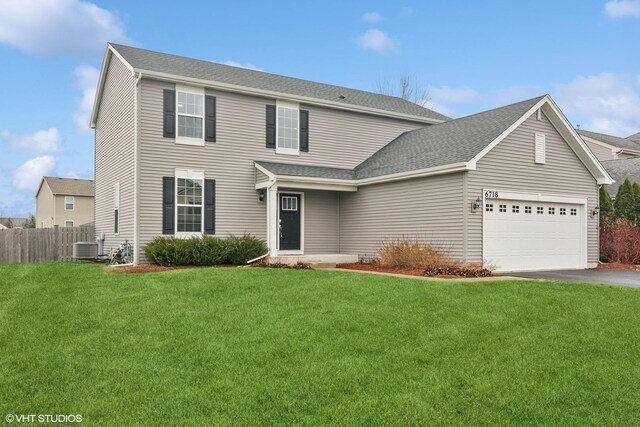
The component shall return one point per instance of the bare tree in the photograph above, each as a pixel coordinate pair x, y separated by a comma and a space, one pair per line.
407, 88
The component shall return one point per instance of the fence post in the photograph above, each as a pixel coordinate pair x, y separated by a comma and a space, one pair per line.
56, 242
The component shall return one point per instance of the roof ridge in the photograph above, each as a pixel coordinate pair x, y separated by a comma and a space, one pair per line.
258, 72
452, 122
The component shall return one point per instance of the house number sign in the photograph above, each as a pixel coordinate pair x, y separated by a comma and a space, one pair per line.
490, 194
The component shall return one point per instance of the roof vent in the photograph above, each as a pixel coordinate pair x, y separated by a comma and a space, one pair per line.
342, 97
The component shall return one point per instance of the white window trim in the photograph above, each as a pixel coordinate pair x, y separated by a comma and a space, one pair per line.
292, 106
72, 223
185, 140
73, 203
116, 205
190, 174
301, 209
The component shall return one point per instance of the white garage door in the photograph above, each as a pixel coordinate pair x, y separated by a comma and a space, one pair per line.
522, 235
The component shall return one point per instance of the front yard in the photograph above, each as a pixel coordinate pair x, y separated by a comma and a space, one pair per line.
266, 346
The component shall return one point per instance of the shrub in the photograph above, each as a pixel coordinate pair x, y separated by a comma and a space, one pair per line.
471, 270
625, 205
620, 241
606, 204
206, 250
244, 248
412, 253
168, 252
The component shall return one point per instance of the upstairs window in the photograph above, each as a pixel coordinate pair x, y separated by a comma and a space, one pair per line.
287, 128
69, 203
190, 115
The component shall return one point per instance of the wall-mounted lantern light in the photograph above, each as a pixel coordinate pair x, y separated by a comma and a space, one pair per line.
595, 211
261, 196
477, 204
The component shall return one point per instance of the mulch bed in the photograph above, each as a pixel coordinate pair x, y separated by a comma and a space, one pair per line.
617, 266
152, 268
381, 269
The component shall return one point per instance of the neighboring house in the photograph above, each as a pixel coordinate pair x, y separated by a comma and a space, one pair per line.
609, 147
621, 170
8, 222
185, 147
66, 202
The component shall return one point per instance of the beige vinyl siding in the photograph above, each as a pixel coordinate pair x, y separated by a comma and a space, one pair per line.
340, 139
115, 154
321, 222
261, 177
602, 153
510, 167
44, 207
81, 214
430, 209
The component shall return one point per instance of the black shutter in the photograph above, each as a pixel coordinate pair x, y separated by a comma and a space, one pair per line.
271, 126
210, 118
168, 205
169, 113
304, 130
210, 206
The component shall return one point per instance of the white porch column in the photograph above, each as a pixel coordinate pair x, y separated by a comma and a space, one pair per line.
272, 220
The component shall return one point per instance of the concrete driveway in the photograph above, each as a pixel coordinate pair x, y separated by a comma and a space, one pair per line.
605, 277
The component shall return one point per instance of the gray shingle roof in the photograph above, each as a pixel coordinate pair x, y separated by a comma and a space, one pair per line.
307, 171
635, 137
70, 186
205, 70
623, 143
620, 170
442, 144
445, 143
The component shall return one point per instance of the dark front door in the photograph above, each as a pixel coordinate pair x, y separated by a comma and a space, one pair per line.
289, 221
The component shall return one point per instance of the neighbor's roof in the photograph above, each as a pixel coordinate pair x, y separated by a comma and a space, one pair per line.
69, 186
621, 170
623, 143
171, 65
287, 169
447, 143
635, 137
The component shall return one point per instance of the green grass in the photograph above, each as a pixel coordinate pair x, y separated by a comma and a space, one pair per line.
256, 346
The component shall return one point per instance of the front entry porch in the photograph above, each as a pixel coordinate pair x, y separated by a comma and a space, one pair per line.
303, 218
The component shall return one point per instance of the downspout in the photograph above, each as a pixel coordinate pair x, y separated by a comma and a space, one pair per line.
136, 166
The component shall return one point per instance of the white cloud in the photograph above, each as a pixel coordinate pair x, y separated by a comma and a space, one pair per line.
608, 103
452, 95
248, 66
42, 141
87, 81
376, 40
372, 17
53, 27
616, 9
28, 175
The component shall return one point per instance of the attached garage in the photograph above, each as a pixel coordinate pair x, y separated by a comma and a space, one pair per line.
534, 232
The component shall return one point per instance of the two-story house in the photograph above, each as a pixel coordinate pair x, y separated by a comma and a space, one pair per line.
65, 202
619, 156
185, 147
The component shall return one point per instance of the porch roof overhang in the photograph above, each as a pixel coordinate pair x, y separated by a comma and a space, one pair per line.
305, 177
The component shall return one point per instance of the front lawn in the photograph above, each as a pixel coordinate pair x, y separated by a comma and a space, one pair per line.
265, 346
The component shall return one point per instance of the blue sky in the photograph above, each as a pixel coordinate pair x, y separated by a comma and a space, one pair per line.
467, 56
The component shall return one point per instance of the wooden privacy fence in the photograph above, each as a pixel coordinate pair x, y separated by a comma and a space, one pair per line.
42, 244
